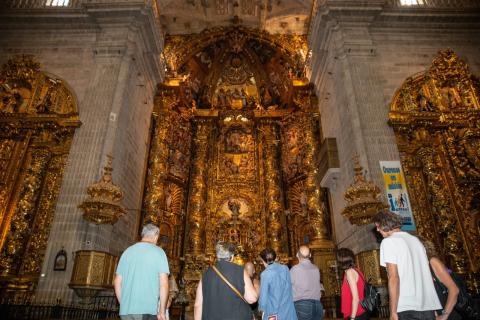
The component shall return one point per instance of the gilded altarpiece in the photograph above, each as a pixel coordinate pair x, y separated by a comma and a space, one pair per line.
38, 117
436, 119
237, 103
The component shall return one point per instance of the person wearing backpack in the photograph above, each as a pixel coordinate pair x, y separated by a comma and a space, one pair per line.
411, 291
353, 286
451, 289
442, 279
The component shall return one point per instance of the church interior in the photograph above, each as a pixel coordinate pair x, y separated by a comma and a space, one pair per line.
264, 123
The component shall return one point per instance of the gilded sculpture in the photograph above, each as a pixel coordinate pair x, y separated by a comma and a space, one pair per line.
103, 202
245, 115
362, 197
38, 117
435, 116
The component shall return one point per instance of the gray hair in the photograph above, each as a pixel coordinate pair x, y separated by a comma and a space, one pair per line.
225, 251
150, 230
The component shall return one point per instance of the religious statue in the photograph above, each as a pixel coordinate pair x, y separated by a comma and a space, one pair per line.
234, 206
303, 203
168, 199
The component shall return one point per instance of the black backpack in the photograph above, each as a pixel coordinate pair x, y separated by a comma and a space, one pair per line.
371, 297
464, 306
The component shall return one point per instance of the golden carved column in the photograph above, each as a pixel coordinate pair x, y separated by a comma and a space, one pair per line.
17, 238
198, 193
417, 188
273, 190
316, 207
158, 170
447, 224
32, 262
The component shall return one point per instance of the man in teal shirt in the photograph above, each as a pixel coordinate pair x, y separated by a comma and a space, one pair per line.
141, 279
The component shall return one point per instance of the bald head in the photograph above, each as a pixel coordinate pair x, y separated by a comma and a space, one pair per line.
250, 268
303, 252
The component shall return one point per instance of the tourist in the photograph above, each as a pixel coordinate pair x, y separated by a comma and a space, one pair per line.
353, 286
441, 274
250, 269
225, 290
306, 287
276, 299
141, 279
410, 286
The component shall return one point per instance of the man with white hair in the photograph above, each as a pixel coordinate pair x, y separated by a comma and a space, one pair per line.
225, 290
141, 279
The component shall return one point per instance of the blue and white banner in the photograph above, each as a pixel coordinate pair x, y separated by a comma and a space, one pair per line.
397, 194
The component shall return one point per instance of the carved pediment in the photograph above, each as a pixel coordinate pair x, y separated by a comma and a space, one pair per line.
26, 92
446, 92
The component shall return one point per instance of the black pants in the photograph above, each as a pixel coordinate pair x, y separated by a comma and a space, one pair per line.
416, 315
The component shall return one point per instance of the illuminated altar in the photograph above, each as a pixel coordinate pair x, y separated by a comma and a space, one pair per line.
234, 151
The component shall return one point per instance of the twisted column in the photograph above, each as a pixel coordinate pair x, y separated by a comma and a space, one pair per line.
12, 252
158, 169
273, 190
312, 183
197, 200
441, 202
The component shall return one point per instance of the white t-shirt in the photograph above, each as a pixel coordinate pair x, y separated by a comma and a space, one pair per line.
416, 285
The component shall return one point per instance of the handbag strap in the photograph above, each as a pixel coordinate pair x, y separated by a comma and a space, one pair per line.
229, 284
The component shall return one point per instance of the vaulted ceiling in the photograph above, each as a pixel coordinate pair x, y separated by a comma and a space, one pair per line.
273, 16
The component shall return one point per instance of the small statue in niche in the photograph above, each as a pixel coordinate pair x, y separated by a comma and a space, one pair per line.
230, 167
450, 97
304, 203
234, 206
10, 99
423, 102
193, 106
222, 98
168, 199
265, 96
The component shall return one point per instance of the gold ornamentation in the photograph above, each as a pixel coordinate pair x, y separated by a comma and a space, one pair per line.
435, 117
38, 116
317, 210
363, 198
93, 271
273, 191
197, 203
369, 263
231, 110
102, 204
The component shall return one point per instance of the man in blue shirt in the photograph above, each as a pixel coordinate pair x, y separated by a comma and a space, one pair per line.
276, 297
141, 279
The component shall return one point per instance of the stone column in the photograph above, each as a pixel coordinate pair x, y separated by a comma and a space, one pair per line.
273, 191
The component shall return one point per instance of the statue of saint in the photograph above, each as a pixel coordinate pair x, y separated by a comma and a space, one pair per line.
234, 206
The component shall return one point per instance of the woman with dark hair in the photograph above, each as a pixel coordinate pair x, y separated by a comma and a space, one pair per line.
353, 286
276, 296
441, 274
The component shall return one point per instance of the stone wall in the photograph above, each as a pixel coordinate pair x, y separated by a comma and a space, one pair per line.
360, 56
110, 59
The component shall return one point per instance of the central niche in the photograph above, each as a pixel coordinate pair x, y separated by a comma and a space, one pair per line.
236, 154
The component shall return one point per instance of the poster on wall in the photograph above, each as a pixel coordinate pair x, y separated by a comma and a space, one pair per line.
397, 195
